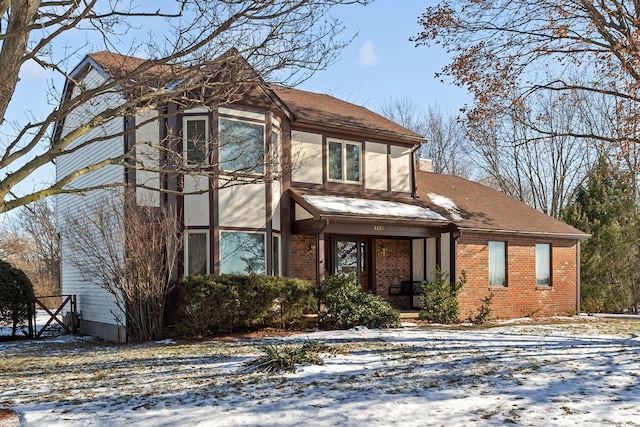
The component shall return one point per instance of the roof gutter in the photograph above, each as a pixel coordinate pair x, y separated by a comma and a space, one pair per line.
583, 236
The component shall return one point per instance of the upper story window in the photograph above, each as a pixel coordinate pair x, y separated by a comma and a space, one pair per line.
344, 161
497, 264
195, 140
543, 264
241, 146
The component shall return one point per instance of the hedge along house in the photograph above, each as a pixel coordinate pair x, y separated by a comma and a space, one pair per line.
306, 185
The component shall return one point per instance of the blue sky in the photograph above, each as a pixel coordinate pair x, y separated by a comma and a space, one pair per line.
379, 65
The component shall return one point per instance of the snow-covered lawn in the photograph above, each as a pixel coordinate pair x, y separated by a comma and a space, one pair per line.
566, 373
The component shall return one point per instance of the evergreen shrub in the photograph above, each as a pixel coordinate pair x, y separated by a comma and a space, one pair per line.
16, 296
226, 303
439, 299
346, 306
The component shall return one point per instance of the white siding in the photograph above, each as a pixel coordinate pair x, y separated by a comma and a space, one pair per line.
196, 205
242, 206
241, 113
94, 303
400, 169
306, 153
301, 213
147, 139
376, 166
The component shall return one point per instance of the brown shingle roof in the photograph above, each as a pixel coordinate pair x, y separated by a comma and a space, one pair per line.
483, 208
325, 110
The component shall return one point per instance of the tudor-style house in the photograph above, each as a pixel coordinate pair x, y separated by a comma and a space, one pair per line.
308, 186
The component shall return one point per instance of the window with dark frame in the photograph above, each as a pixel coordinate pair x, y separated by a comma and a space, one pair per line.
195, 140
543, 264
497, 263
344, 161
196, 253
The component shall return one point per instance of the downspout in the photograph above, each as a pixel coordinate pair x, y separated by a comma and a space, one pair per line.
414, 187
577, 277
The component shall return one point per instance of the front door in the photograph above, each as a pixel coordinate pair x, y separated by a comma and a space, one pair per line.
351, 256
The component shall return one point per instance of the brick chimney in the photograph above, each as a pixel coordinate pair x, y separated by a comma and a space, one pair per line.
424, 165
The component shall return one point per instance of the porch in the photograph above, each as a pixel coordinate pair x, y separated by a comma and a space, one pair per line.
390, 253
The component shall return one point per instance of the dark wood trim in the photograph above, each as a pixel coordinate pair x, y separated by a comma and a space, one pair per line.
325, 161
308, 226
388, 168
356, 134
170, 135
129, 141
286, 213
244, 229
354, 189
268, 190
388, 230
214, 197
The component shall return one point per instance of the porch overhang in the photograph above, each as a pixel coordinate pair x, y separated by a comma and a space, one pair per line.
366, 217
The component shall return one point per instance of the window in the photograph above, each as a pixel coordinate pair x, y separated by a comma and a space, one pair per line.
241, 146
497, 264
196, 253
242, 253
344, 161
543, 264
195, 134
275, 255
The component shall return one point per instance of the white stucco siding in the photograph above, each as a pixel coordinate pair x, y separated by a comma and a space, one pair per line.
275, 206
196, 204
431, 257
400, 169
147, 140
242, 206
306, 157
376, 166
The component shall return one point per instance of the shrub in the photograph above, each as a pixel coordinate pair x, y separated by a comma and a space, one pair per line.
219, 304
16, 296
439, 299
346, 306
278, 358
484, 312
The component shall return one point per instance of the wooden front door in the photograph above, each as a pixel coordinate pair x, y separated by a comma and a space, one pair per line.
351, 254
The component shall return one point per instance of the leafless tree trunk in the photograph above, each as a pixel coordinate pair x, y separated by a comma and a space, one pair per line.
30, 242
131, 252
284, 41
540, 170
446, 142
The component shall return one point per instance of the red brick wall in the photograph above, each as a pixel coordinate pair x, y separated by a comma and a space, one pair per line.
521, 297
392, 268
303, 263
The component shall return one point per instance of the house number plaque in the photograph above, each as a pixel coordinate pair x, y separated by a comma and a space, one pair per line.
378, 228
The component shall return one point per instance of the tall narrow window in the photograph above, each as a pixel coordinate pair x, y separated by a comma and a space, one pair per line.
195, 140
497, 264
196, 253
543, 264
344, 161
241, 146
242, 253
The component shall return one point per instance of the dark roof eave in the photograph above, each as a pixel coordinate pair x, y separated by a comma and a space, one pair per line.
568, 236
346, 217
397, 137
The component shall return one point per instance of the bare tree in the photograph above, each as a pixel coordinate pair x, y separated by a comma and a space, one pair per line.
30, 242
504, 51
284, 41
446, 142
540, 170
130, 252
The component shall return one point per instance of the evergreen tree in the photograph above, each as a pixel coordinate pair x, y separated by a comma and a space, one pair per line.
605, 206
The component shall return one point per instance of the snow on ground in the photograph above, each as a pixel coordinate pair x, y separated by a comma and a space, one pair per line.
567, 373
